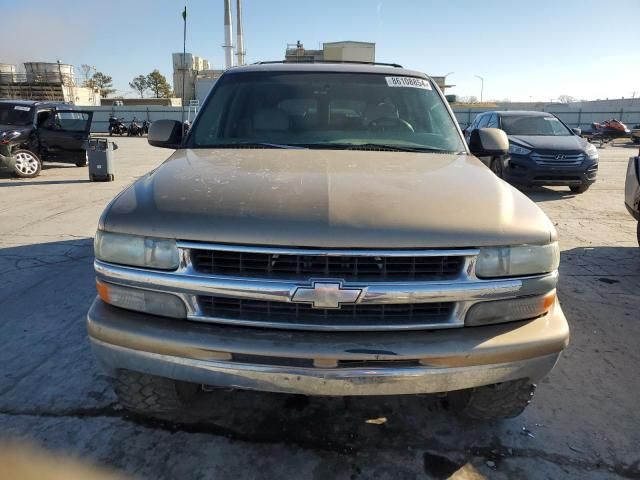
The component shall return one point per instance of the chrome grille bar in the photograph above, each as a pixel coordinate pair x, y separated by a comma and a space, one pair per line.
396, 304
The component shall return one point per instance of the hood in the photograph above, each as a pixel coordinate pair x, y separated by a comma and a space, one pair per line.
19, 128
549, 142
327, 198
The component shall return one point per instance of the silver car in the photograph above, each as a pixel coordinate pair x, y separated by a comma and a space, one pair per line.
632, 190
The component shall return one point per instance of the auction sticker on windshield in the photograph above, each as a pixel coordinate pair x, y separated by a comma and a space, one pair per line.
411, 82
24, 109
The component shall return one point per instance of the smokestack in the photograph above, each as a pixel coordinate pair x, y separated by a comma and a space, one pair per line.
240, 35
228, 35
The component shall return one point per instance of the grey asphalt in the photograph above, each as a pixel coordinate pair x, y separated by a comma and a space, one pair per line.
584, 422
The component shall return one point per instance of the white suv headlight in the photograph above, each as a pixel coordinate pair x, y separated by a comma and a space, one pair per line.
518, 260
136, 251
591, 151
518, 150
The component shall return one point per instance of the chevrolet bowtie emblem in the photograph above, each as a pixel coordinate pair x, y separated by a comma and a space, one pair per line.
326, 295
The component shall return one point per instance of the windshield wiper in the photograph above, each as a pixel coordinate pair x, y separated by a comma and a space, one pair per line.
391, 148
254, 145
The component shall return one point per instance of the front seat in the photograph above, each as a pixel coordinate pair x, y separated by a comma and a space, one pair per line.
380, 110
270, 120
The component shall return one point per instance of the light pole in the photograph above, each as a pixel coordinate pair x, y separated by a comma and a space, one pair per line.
481, 86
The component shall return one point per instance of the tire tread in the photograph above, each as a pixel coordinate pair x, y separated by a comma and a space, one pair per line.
151, 395
502, 400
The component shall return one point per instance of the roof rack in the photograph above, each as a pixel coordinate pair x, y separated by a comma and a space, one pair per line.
356, 62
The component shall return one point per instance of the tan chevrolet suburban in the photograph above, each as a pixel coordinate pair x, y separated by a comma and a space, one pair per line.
324, 229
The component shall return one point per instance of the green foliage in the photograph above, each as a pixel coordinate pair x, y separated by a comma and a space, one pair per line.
157, 83
139, 84
102, 82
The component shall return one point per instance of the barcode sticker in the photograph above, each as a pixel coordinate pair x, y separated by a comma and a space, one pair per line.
24, 109
408, 82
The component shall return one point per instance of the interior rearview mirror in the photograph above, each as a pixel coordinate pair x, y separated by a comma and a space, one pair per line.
165, 134
485, 142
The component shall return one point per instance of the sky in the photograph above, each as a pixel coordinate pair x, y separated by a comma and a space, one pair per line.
524, 49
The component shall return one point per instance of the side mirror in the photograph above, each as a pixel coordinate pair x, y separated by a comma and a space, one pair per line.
165, 134
486, 142
577, 131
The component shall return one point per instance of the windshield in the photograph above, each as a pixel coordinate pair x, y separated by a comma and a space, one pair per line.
534, 125
325, 110
18, 115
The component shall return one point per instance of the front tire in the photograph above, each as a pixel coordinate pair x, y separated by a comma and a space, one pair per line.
492, 402
27, 164
579, 188
151, 395
82, 162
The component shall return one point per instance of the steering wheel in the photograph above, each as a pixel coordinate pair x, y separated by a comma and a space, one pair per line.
389, 123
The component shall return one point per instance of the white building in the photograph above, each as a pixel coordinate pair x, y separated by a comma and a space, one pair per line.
187, 66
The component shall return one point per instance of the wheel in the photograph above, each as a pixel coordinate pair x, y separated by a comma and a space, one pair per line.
82, 162
27, 164
496, 167
502, 400
151, 395
579, 188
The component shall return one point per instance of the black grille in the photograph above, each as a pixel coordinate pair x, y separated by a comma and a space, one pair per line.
271, 265
552, 178
298, 314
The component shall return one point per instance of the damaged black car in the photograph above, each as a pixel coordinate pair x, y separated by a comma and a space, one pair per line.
32, 132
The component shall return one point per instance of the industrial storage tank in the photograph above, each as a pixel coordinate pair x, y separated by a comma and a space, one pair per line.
49, 72
7, 73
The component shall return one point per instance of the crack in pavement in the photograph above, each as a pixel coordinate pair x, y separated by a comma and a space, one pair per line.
491, 452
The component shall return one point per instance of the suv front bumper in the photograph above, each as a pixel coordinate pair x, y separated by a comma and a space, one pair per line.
522, 170
327, 363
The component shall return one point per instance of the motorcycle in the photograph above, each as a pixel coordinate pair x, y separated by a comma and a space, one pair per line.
145, 127
116, 126
134, 128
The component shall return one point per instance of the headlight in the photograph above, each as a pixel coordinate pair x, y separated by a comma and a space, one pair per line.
591, 151
136, 251
6, 137
518, 260
518, 150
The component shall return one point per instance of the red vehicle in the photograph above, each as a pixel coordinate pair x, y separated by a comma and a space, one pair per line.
609, 130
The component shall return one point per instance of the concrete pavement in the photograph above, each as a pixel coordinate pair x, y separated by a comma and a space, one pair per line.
583, 423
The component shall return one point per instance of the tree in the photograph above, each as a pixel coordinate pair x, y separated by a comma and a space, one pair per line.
157, 83
102, 82
86, 71
566, 99
139, 84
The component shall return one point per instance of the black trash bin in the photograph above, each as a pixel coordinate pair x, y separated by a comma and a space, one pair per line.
100, 152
